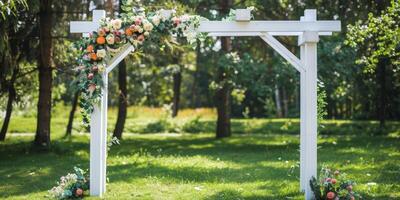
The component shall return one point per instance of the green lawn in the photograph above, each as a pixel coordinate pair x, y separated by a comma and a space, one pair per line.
160, 166
260, 161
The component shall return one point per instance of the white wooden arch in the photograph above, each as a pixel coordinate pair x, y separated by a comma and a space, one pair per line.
307, 29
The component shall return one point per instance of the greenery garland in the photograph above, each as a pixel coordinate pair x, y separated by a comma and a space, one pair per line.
132, 28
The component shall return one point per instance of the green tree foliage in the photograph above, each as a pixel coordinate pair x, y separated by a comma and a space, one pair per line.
379, 36
11, 7
377, 42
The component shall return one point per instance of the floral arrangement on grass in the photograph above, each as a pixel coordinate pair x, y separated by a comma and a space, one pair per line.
71, 186
333, 185
134, 28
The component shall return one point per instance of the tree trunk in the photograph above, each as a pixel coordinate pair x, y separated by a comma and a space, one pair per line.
381, 100
177, 92
285, 102
122, 103
11, 97
381, 75
278, 102
224, 112
195, 90
42, 137
122, 98
223, 95
72, 114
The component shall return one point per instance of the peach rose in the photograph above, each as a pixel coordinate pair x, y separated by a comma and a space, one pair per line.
91, 87
89, 48
101, 32
90, 76
138, 21
140, 38
330, 195
110, 39
79, 192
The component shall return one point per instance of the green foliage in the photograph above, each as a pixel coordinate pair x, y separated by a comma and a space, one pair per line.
380, 36
134, 27
333, 185
193, 126
321, 103
160, 126
11, 7
71, 186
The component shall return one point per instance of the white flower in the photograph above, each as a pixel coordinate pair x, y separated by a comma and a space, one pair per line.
101, 53
102, 68
146, 33
185, 18
140, 30
156, 20
116, 23
147, 26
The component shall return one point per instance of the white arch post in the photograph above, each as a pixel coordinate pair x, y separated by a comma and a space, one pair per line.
308, 30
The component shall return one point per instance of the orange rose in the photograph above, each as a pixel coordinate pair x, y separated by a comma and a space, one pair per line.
101, 40
128, 32
93, 56
89, 49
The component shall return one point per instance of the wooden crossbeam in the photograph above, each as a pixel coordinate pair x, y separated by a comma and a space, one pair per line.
86, 27
246, 34
122, 53
269, 26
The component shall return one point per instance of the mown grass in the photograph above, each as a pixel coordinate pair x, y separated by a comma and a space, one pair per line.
258, 162
202, 120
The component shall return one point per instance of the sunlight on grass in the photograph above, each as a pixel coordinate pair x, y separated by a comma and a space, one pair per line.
260, 160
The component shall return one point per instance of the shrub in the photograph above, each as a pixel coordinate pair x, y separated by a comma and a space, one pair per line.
157, 127
193, 126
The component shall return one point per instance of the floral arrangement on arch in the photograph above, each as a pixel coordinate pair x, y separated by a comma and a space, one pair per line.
71, 186
131, 28
333, 185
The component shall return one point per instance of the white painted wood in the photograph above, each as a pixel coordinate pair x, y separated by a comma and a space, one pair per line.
246, 34
283, 51
86, 27
308, 103
269, 26
303, 181
96, 146
243, 15
310, 115
310, 15
98, 143
125, 50
308, 37
307, 29
104, 104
